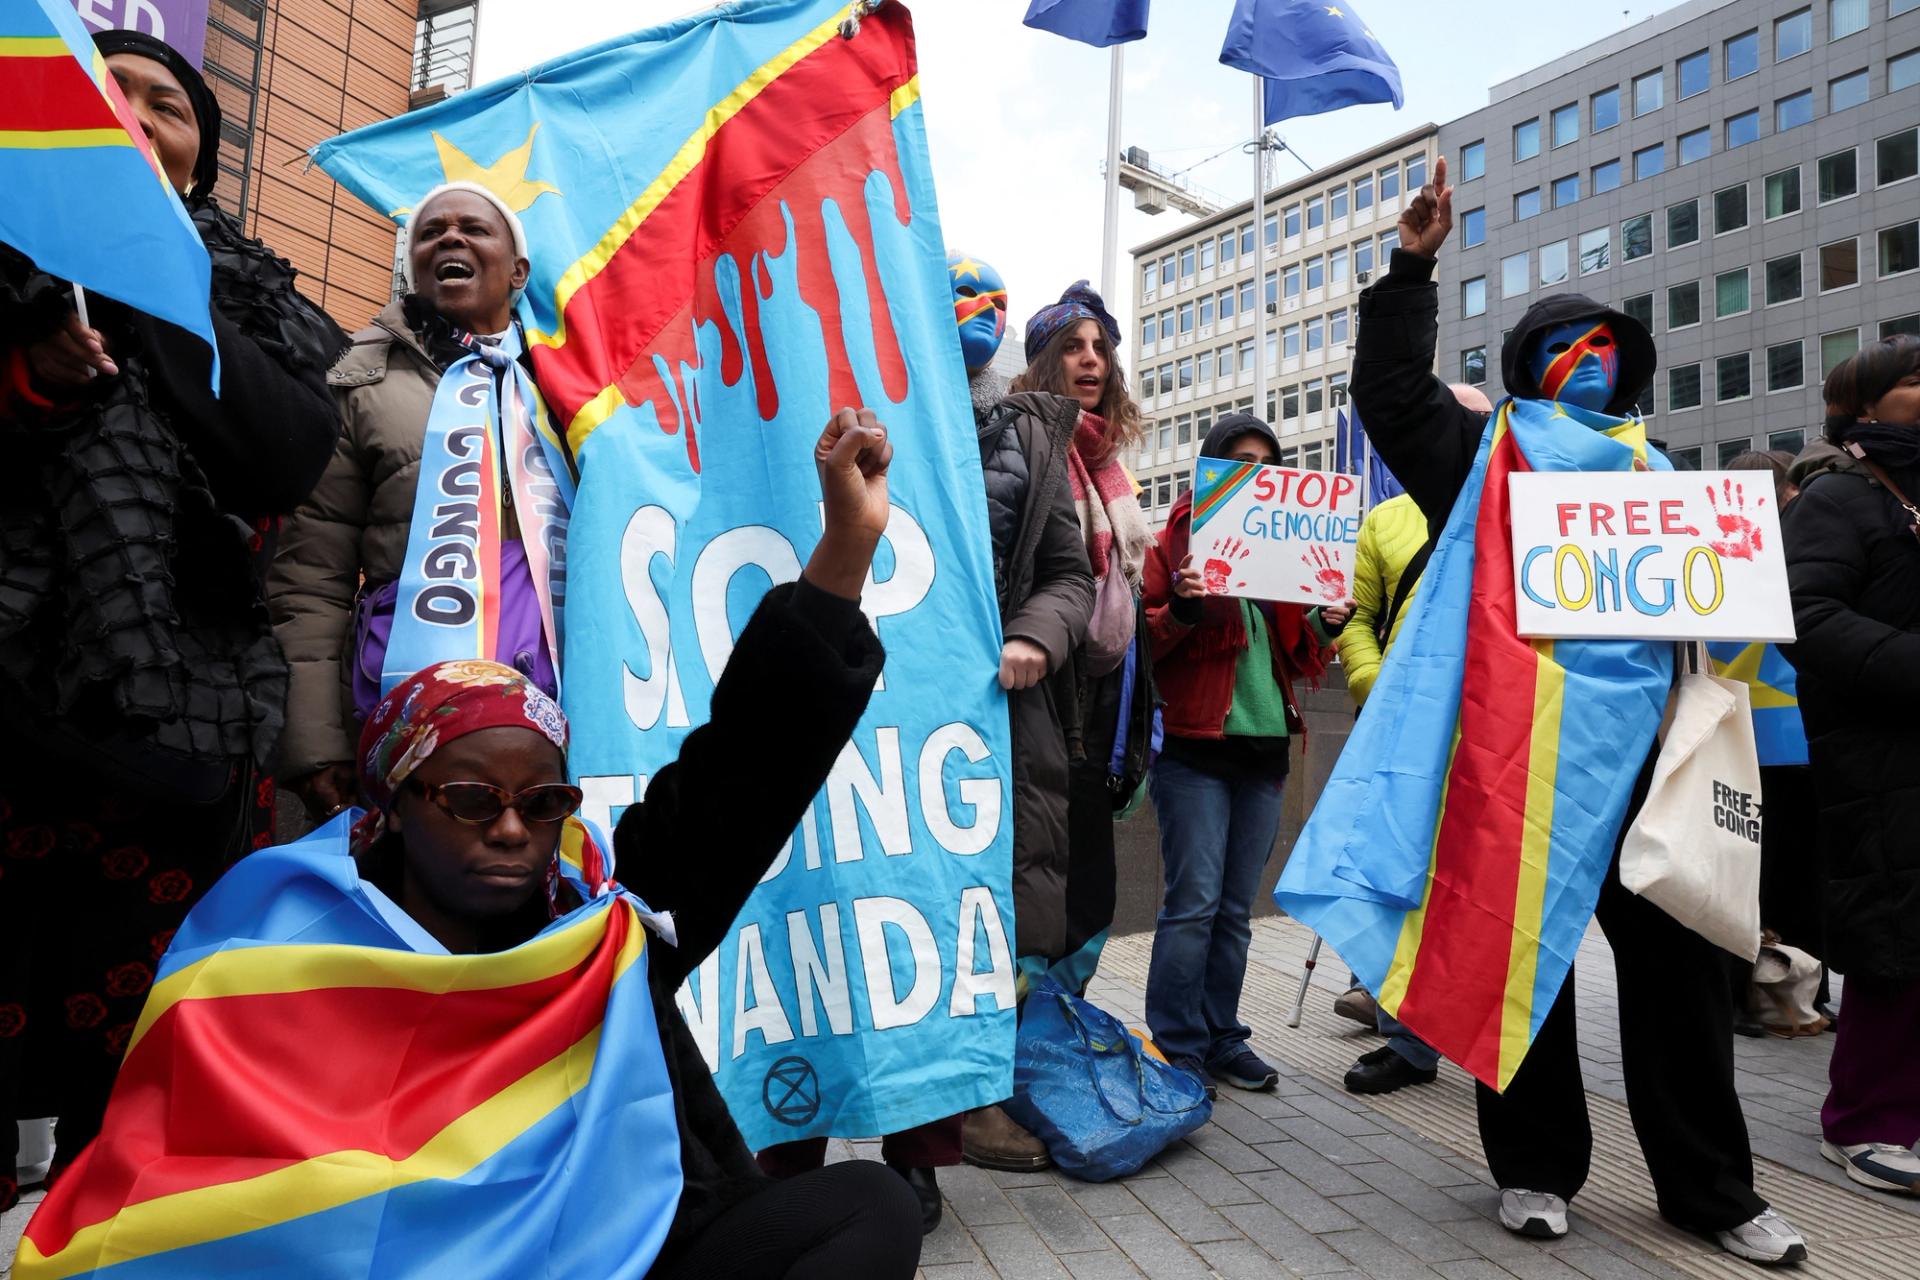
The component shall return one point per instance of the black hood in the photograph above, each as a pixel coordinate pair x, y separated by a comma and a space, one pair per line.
1638, 359
1236, 424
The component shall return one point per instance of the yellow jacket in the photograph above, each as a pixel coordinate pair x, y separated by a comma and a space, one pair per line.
1390, 536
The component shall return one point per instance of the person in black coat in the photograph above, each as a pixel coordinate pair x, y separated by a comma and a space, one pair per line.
1676, 1012
141, 690
1853, 565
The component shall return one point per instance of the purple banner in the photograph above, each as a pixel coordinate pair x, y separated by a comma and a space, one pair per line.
181, 23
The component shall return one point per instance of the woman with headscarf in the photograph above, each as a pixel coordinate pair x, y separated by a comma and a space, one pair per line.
140, 683
467, 933
369, 554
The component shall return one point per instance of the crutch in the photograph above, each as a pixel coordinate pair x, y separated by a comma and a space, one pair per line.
1306, 976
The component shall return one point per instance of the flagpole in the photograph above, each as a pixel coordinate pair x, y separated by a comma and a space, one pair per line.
1110, 236
1259, 249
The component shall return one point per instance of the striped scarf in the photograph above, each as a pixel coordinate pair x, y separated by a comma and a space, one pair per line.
1103, 494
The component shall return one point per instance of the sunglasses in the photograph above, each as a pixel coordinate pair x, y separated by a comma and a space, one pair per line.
482, 802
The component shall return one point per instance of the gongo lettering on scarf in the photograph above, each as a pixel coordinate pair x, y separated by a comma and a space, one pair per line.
1648, 556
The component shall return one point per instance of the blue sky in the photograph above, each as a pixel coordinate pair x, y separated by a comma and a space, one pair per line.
1017, 118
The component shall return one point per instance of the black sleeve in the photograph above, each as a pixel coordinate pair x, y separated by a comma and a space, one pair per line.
1827, 573
268, 434
1425, 436
714, 820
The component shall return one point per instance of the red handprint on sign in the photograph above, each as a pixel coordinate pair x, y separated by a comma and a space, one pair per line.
1218, 567
1329, 577
1741, 534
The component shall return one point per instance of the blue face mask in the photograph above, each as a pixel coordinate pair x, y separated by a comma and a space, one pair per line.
1577, 363
979, 308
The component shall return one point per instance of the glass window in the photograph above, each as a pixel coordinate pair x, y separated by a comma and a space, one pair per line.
1206, 254
1566, 190
1897, 7
1166, 379
1792, 111
1606, 108
1792, 35
1596, 250
1783, 278
1743, 128
1226, 304
1186, 318
1606, 176
1244, 355
1837, 348
1388, 180
1337, 267
1846, 92
1339, 326
1839, 175
1839, 265
1473, 161
1224, 358
1730, 295
1636, 237
1473, 296
1226, 247
1649, 92
1729, 209
1186, 373
1683, 387
1901, 324
1363, 193
1903, 72
1566, 124
1553, 262
1416, 172
1337, 203
1184, 423
1473, 227
1147, 328
1166, 325
1697, 145
1290, 280
1683, 223
1526, 204
1166, 271
1316, 272
1314, 396
1149, 279
1786, 366
1526, 139
1899, 249
1316, 212
1683, 304
1733, 380
1246, 239
1515, 272
1362, 259
1649, 161
1203, 367
1693, 72
1640, 307
1148, 388
1205, 317
1246, 296
1792, 441
1316, 334
1270, 231
1783, 192
1162, 491
1273, 345
1186, 263
1389, 241
1473, 366
1743, 55
1844, 17
1727, 450
1896, 157
1290, 401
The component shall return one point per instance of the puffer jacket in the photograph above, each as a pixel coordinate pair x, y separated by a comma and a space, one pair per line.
352, 529
1390, 537
1853, 567
1045, 588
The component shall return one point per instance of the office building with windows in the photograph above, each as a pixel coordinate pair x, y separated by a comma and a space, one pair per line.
1743, 177
1207, 296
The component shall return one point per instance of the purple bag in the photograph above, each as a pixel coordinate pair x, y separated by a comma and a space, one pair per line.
1110, 630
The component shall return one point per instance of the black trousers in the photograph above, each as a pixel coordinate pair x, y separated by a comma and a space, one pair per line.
1676, 1051
857, 1220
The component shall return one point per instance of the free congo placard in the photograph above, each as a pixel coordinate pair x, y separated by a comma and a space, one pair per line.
1274, 533
1673, 555
734, 233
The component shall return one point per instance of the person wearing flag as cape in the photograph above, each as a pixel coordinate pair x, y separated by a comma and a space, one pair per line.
439, 529
1472, 826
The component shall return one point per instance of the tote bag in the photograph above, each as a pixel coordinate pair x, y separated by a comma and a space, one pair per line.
1694, 849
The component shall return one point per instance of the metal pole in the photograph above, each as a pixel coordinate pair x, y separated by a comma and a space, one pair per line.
1306, 976
1110, 237
1260, 248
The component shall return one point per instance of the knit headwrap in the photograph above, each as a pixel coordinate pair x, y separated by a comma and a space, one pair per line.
1111, 521
1078, 303
518, 231
206, 109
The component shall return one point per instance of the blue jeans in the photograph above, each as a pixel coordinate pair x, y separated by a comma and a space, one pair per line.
1404, 1042
1215, 839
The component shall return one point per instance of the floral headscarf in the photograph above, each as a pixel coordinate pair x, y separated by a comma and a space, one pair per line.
1078, 303
442, 702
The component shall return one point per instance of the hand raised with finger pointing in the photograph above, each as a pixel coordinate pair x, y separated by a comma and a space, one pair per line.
1429, 215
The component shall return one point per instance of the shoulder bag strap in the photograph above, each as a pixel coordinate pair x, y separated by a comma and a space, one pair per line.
1383, 626
1879, 473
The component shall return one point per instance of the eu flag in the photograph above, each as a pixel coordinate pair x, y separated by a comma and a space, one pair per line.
1314, 56
1096, 22
1353, 455
101, 214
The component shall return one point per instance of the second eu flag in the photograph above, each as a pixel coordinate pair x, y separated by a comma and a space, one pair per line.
1314, 57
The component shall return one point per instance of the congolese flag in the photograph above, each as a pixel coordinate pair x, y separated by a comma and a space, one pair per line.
1774, 688
1455, 856
86, 198
733, 234
317, 1088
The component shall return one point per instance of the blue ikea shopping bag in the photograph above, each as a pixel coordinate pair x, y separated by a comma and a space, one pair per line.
1090, 1090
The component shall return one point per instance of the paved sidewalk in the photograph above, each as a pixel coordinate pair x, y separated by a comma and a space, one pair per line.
1309, 1181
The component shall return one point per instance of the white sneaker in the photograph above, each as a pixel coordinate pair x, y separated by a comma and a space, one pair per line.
1884, 1166
1769, 1240
1533, 1213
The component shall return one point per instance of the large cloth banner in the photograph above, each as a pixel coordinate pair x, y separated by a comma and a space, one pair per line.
733, 233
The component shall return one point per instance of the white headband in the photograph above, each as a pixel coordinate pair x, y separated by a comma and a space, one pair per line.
518, 231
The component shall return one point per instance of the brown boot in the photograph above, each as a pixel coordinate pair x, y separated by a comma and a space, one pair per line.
990, 1138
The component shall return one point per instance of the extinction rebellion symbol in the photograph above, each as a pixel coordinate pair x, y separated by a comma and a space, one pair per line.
791, 1092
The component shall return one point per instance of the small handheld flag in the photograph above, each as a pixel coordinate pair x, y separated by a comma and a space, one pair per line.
1099, 23
1314, 56
102, 214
